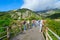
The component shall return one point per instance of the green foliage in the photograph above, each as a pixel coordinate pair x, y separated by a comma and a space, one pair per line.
54, 26
52, 36
54, 16
5, 20
33, 18
10, 18
23, 10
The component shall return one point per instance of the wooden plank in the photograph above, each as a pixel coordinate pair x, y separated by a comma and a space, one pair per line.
8, 33
46, 33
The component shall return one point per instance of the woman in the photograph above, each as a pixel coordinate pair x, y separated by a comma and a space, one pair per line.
41, 25
28, 24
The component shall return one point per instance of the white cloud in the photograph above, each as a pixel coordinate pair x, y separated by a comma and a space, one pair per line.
38, 5
57, 5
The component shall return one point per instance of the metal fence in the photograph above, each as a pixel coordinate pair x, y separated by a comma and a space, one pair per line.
48, 36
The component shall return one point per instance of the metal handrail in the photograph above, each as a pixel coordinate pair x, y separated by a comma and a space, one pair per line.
54, 34
7, 29
48, 36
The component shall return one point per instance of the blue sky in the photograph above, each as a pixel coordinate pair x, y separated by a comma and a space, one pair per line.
35, 5
6, 5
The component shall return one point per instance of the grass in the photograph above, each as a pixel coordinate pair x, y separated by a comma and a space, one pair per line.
52, 36
54, 26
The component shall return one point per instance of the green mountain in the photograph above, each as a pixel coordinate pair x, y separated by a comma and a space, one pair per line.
53, 14
7, 18
19, 13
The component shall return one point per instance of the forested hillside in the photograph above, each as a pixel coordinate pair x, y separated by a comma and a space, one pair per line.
54, 16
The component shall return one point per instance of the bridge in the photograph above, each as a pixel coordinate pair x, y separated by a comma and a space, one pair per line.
29, 34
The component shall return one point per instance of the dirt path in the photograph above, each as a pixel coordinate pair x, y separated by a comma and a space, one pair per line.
32, 34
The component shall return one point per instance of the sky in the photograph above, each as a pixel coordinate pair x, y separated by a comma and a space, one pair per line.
6, 5
35, 5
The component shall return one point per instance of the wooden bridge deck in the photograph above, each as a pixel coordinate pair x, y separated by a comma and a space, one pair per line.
31, 34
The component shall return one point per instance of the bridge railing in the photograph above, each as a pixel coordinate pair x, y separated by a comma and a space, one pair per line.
6, 31
11, 31
47, 35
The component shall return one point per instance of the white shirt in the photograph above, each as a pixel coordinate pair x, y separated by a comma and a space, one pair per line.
41, 22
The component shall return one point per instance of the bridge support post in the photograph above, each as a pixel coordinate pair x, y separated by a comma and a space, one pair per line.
46, 33
8, 33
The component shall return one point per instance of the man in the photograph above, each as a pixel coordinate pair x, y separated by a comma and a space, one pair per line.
33, 23
24, 25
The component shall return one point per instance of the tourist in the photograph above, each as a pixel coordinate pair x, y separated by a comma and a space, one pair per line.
33, 23
24, 25
41, 25
28, 24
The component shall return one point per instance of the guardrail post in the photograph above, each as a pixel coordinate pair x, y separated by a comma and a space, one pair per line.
46, 33
8, 33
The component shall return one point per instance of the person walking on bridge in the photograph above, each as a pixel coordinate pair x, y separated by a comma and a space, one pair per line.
41, 25
24, 25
